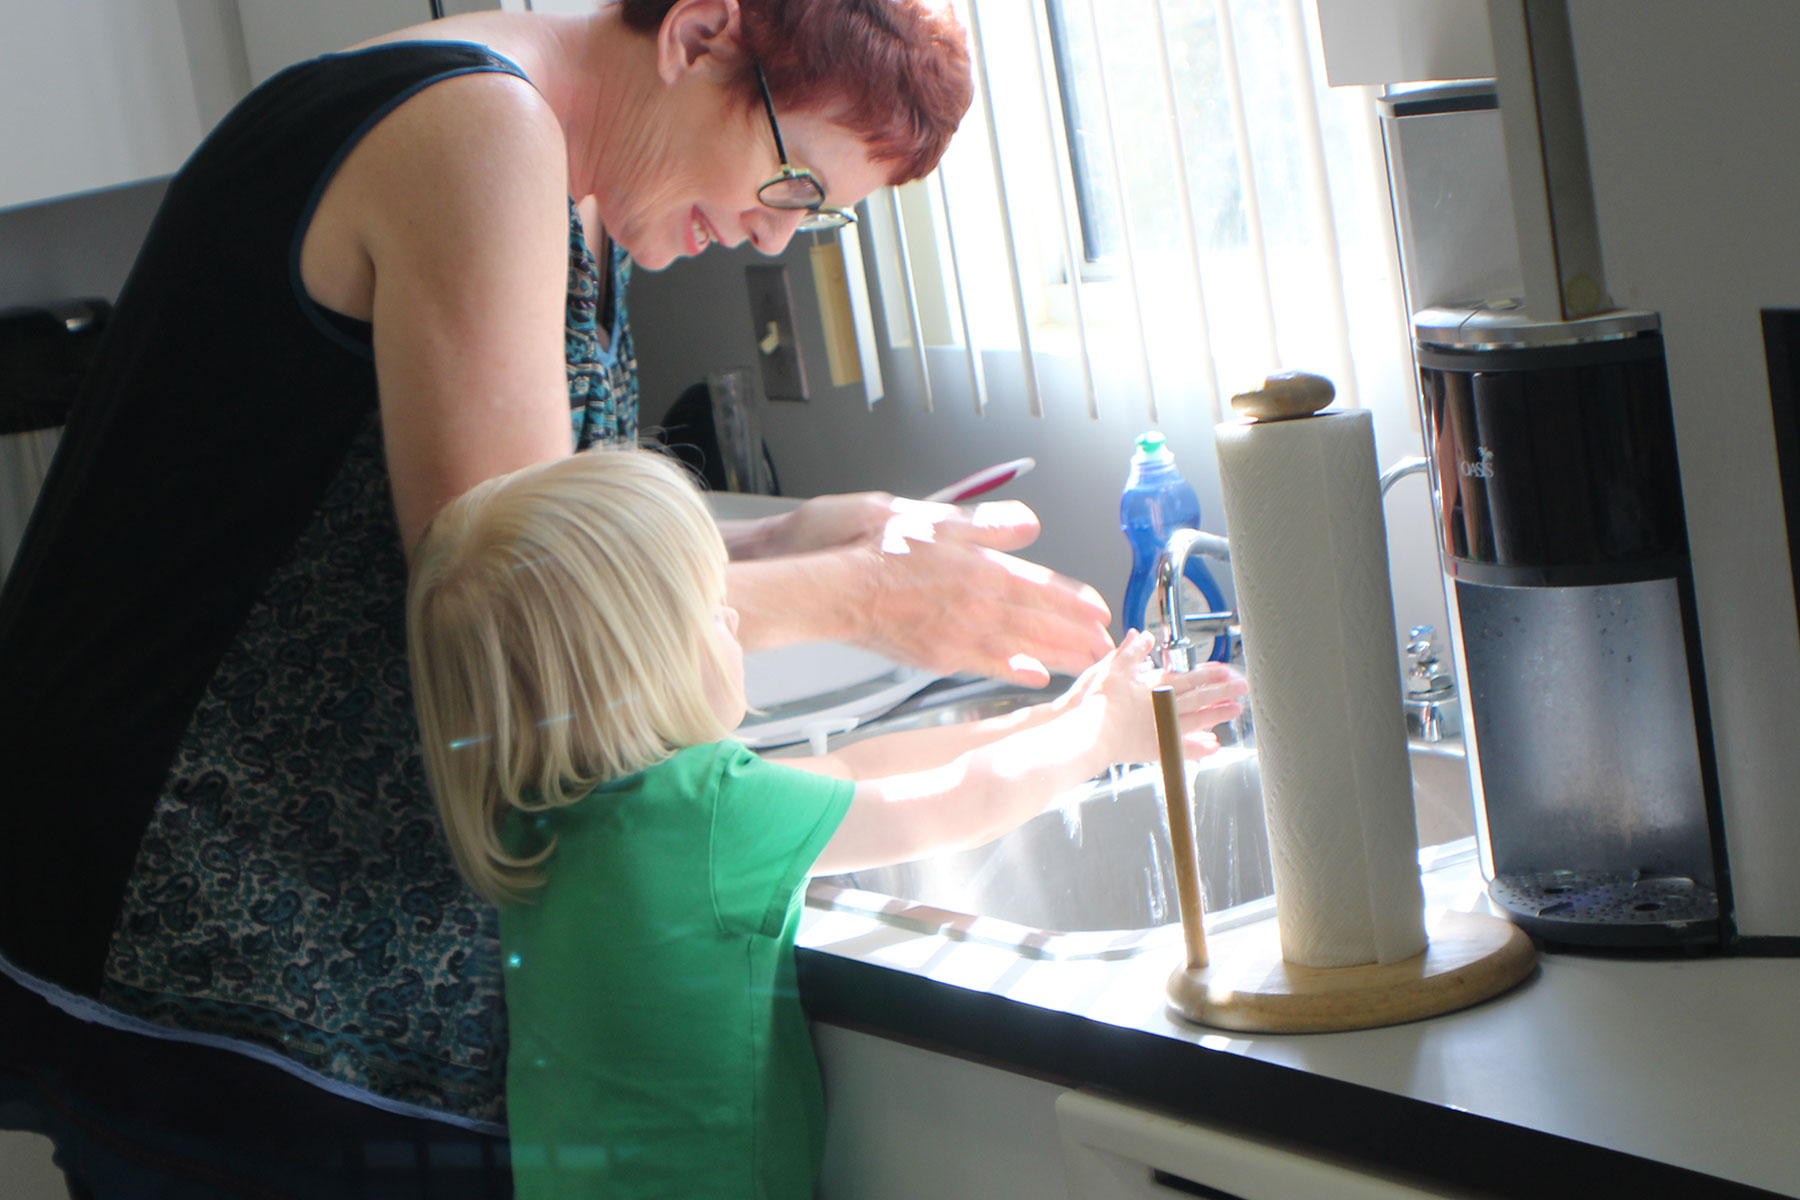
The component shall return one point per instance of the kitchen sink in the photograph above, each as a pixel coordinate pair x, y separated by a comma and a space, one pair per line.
1094, 875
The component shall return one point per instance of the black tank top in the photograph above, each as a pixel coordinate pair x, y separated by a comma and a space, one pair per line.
219, 410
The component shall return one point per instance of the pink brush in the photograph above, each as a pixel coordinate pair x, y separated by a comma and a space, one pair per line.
985, 480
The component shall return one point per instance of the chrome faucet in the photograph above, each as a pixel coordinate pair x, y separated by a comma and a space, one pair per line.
1432, 709
1428, 692
1178, 651
1412, 464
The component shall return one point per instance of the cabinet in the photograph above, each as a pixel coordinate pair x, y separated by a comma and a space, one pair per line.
904, 1123
1117, 1151
279, 33
98, 94
1405, 41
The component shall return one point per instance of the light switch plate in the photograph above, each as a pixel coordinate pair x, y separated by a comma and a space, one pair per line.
772, 329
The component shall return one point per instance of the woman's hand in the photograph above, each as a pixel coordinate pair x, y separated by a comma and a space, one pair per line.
1116, 692
931, 585
944, 594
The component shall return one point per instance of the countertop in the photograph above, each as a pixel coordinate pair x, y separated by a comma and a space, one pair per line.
1659, 1076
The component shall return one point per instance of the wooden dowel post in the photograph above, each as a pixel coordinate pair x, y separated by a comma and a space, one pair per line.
1181, 827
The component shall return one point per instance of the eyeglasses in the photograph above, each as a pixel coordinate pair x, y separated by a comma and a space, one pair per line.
796, 189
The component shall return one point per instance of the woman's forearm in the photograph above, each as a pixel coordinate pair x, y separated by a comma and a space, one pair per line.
798, 598
746, 539
821, 523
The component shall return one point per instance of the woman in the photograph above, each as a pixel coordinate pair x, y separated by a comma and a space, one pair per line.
368, 291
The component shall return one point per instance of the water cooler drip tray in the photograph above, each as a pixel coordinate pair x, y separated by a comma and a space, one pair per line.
1610, 908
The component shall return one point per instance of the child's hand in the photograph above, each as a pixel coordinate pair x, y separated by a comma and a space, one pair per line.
1117, 691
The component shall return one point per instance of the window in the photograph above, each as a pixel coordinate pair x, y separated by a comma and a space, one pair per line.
1151, 203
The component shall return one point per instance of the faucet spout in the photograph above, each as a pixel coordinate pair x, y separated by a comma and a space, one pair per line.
1178, 652
1412, 464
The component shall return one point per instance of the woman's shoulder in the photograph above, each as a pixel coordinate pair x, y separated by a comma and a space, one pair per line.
470, 139
476, 114
469, 173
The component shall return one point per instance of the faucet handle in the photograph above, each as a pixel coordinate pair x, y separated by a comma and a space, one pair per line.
1430, 701
1180, 656
1424, 672
1194, 642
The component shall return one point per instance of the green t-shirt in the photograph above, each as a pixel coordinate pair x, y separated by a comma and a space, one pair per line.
658, 1048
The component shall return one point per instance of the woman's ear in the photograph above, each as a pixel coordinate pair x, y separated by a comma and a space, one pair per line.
694, 32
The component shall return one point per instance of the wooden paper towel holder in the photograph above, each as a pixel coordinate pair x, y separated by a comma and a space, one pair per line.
1243, 983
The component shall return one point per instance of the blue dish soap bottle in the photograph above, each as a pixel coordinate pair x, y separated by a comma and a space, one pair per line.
1156, 502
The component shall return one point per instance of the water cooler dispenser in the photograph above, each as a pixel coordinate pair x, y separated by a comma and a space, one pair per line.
1564, 545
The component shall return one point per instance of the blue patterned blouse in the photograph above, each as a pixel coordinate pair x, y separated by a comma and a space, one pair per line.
293, 891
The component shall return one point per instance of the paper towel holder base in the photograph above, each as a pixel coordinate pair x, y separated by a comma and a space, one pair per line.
1247, 985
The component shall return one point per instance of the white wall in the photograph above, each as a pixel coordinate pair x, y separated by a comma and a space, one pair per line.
1696, 165
97, 93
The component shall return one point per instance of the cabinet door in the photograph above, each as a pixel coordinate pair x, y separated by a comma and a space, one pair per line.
1405, 41
903, 1123
1116, 1151
279, 33
98, 94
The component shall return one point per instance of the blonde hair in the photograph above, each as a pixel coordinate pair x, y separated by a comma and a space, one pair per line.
556, 630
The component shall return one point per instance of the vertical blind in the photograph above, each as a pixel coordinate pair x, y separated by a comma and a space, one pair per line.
1152, 203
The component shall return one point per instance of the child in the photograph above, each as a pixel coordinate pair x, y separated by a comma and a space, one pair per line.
577, 674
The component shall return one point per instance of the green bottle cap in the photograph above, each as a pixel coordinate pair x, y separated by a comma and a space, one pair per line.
1153, 447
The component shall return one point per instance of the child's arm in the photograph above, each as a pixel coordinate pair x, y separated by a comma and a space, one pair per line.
998, 782
1211, 685
917, 749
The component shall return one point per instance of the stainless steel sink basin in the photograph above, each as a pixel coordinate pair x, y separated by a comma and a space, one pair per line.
1094, 876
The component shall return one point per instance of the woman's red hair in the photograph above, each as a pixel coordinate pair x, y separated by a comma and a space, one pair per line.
893, 72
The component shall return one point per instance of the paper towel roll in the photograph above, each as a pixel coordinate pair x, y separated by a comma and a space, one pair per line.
1309, 559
